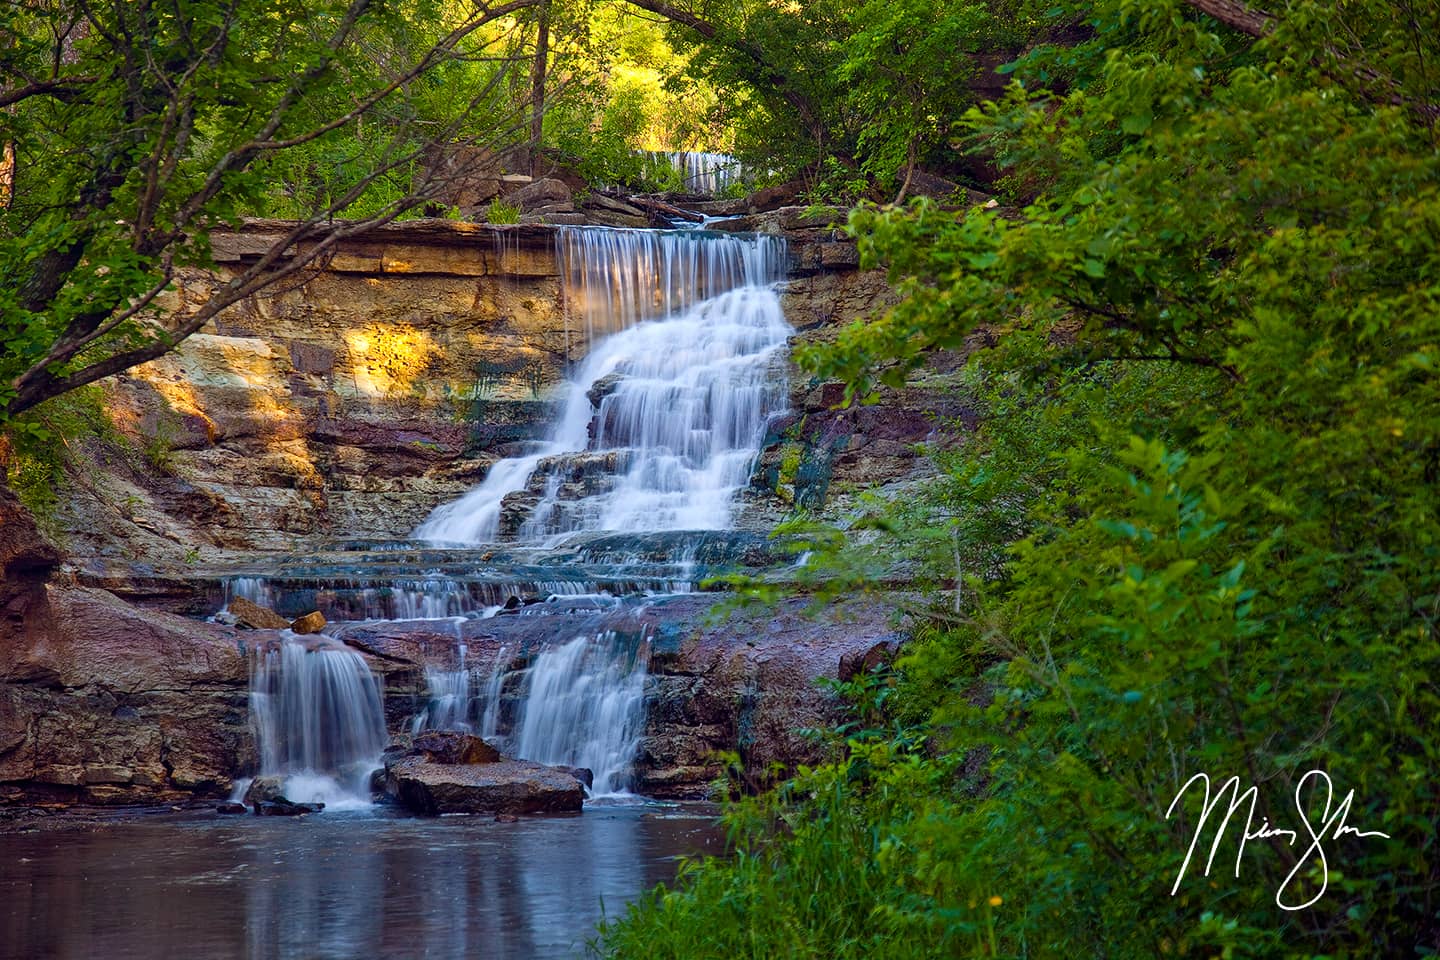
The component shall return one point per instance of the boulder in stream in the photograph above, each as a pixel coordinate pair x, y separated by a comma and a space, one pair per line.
507, 786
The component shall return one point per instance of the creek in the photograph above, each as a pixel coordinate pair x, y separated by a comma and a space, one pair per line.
336, 886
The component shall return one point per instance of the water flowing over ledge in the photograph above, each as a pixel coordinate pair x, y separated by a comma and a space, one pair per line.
665, 415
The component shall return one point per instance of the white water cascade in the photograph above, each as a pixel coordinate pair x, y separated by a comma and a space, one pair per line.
584, 707
664, 417
318, 719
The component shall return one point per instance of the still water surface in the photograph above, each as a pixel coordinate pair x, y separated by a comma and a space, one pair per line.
346, 885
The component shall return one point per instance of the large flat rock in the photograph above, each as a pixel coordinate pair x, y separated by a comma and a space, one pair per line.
508, 786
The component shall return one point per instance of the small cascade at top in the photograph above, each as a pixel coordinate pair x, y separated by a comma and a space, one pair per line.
666, 414
702, 171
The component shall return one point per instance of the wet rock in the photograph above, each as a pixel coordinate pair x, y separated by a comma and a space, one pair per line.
230, 808
264, 789
603, 387
506, 818
312, 622
453, 746
280, 807
509, 786
584, 774
250, 615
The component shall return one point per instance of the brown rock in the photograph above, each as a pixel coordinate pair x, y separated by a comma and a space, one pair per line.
452, 746
509, 786
26, 560
312, 622
252, 616
542, 193
774, 197
104, 703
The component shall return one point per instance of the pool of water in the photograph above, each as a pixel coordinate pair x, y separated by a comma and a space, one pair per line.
364, 884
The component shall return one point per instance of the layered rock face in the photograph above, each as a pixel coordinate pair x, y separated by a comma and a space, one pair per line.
351, 400
101, 702
348, 404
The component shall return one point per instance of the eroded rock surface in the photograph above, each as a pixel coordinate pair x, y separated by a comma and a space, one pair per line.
104, 703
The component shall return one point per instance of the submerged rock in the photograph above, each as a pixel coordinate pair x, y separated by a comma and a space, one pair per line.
507, 786
280, 807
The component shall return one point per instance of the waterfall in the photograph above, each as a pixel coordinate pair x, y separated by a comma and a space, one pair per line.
449, 706
318, 719
701, 171
584, 707
665, 415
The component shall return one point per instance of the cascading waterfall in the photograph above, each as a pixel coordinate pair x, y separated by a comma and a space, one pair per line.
318, 718
701, 171
683, 339
584, 708
449, 690
659, 429
666, 414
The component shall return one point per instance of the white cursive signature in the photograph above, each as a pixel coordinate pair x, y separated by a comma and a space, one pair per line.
1332, 827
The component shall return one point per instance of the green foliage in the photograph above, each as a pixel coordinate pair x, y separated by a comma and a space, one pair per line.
500, 212
36, 450
139, 130
1199, 530
871, 86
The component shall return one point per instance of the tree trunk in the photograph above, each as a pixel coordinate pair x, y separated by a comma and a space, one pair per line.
537, 88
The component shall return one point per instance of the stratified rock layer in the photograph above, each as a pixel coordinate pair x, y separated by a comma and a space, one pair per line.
104, 703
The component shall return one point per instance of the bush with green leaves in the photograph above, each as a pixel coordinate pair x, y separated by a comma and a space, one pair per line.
1201, 528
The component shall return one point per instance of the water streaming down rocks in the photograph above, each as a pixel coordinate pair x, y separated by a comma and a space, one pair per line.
318, 718
665, 415
660, 426
584, 708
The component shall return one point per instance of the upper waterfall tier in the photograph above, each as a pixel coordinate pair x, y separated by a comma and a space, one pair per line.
663, 418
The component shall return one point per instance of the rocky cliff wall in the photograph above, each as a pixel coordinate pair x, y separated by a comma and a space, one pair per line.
354, 398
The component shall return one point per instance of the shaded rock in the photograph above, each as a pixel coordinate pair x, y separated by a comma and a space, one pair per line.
312, 622
250, 615
603, 387
777, 196
230, 808
263, 789
584, 774
453, 746
280, 807
26, 562
538, 194
858, 663
509, 786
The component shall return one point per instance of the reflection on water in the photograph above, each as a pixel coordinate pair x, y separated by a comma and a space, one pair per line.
335, 886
